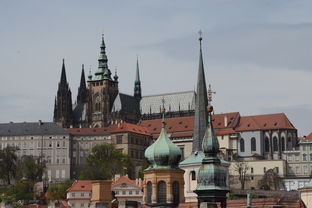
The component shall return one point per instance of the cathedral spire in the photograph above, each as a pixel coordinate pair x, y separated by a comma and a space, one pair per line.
137, 83
63, 74
82, 90
103, 72
201, 103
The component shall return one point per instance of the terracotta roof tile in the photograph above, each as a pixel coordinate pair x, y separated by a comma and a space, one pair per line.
128, 127
309, 137
264, 122
123, 179
82, 185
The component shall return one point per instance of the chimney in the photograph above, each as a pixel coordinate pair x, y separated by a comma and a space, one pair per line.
40, 122
225, 121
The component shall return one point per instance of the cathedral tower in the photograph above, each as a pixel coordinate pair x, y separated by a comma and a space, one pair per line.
102, 92
82, 90
63, 114
137, 83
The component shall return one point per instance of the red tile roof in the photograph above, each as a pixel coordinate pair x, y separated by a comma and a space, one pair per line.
82, 185
89, 131
183, 126
123, 179
128, 127
264, 122
309, 137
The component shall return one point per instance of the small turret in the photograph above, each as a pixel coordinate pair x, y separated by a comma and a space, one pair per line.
82, 90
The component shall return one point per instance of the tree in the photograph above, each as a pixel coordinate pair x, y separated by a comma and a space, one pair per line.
271, 180
105, 161
8, 161
57, 192
141, 172
242, 167
20, 191
31, 169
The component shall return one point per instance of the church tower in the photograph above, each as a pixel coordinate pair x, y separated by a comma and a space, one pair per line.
102, 92
82, 90
63, 114
137, 83
163, 180
201, 103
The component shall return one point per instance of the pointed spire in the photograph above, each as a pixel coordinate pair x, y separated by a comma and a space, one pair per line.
103, 72
201, 103
63, 74
82, 90
137, 82
116, 76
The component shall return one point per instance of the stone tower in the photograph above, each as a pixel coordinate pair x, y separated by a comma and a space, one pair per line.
163, 179
137, 83
102, 92
82, 95
63, 113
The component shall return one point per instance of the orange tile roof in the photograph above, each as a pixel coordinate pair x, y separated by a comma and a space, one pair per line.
128, 127
89, 131
309, 137
184, 125
82, 185
123, 179
264, 122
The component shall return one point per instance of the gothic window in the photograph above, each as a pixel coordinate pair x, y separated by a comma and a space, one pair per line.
161, 192
266, 144
175, 192
275, 144
242, 145
193, 175
149, 192
283, 143
253, 144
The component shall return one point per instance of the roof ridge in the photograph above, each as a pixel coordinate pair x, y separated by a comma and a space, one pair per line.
170, 93
269, 114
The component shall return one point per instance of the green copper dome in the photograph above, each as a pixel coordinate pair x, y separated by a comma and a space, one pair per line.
163, 153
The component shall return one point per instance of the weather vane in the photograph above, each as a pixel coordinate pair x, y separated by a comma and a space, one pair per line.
200, 35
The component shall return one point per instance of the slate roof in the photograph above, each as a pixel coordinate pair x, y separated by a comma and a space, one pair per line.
31, 128
80, 112
153, 103
264, 122
126, 103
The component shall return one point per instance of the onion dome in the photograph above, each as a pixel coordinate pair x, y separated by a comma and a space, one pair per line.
163, 153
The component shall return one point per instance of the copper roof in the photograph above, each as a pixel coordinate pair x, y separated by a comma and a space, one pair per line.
264, 122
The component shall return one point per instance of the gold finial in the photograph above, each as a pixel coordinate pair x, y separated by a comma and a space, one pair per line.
209, 109
200, 35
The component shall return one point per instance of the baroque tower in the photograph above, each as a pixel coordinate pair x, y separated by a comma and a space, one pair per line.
63, 113
137, 83
102, 92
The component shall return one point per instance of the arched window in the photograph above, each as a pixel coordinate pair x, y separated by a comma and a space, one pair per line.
193, 175
149, 192
161, 192
275, 144
283, 143
266, 144
175, 192
242, 145
253, 144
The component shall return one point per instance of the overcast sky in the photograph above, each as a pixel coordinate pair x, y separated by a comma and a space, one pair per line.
257, 54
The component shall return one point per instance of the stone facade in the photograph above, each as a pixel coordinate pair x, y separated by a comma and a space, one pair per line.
45, 141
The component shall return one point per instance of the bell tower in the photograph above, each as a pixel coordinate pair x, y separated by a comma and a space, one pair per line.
103, 91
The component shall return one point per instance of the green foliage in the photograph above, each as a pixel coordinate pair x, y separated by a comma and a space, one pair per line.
105, 161
8, 163
57, 192
141, 172
21, 191
31, 169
